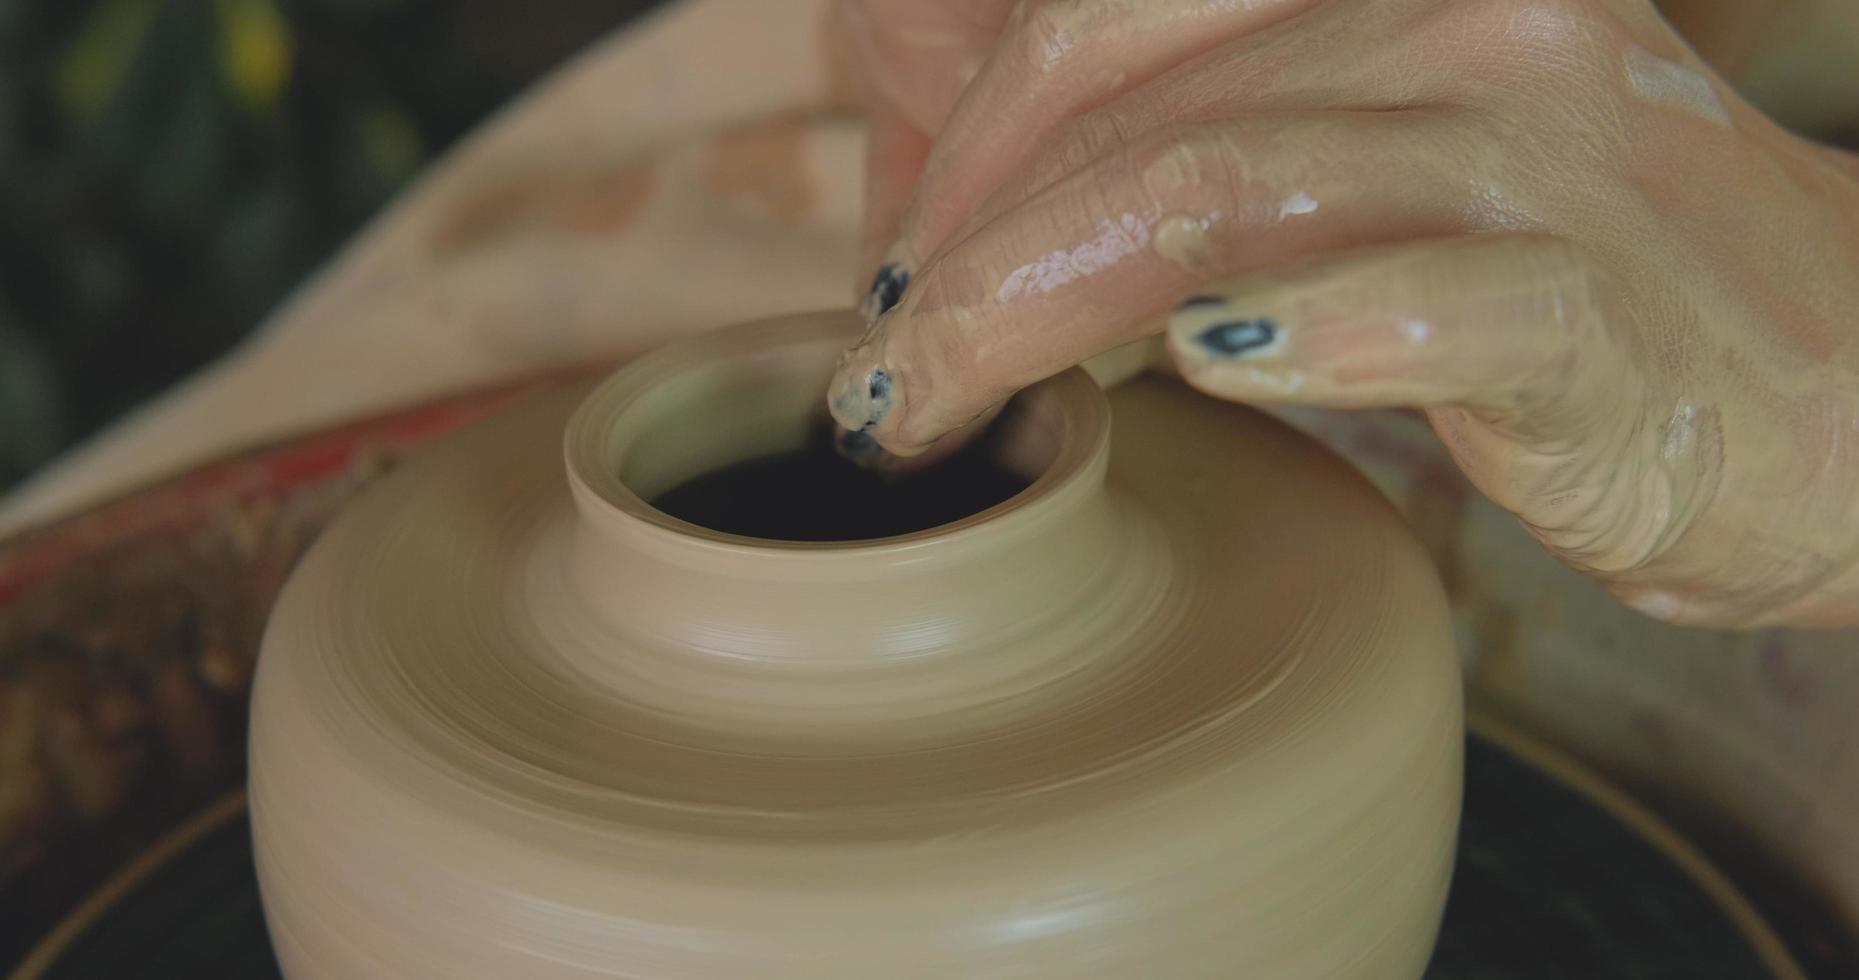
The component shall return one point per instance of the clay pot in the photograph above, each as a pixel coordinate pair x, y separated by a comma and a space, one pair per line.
1185, 706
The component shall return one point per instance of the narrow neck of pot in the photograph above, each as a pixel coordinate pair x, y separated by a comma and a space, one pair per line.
965, 587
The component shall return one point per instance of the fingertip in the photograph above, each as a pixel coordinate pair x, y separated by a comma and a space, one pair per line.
1224, 347
1238, 338
1207, 330
861, 448
863, 391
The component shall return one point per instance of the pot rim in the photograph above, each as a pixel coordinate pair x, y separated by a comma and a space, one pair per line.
1071, 403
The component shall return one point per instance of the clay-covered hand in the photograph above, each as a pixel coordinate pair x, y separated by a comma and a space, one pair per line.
1627, 301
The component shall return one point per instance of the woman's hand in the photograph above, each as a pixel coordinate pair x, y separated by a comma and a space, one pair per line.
1628, 303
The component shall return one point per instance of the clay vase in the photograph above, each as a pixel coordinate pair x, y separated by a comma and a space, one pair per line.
1185, 706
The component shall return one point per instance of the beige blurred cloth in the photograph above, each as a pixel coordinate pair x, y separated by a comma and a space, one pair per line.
702, 168
697, 169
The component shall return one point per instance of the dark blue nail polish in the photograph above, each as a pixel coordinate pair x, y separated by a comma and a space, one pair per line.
887, 287
1237, 338
878, 386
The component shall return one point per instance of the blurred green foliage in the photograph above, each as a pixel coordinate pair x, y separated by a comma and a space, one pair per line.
169, 169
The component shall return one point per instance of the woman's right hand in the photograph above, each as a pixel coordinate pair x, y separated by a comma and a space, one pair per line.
917, 59
1623, 296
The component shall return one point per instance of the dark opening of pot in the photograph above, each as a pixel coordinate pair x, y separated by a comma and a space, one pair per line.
815, 494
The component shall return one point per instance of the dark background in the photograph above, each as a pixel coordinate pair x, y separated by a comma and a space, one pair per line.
170, 169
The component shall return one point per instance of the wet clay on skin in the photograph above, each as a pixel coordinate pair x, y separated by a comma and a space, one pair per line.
1623, 297
1128, 722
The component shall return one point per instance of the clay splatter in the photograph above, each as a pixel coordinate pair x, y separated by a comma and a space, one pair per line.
1115, 240
1182, 239
1675, 84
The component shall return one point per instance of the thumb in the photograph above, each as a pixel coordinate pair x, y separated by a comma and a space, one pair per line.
1502, 338
1488, 322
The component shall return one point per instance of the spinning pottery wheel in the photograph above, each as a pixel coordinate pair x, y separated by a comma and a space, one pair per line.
1559, 875
1185, 706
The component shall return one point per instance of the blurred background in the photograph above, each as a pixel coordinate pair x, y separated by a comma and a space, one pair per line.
170, 169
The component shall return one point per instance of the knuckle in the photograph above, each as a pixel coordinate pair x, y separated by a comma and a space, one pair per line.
1180, 165
1532, 33
1083, 139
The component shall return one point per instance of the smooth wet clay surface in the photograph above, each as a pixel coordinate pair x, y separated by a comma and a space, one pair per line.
1547, 885
1165, 713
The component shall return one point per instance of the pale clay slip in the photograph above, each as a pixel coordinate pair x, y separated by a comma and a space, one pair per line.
1187, 706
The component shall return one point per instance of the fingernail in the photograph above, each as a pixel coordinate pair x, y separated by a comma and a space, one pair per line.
1208, 324
887, 287
863, 389
1239, 338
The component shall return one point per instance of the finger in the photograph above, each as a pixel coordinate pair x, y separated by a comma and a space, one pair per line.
1097, 259
914, 60
917, 57
1323, 60
894, 155
1057, 61
1489, 321
864, 450
1501, 338
1109, 369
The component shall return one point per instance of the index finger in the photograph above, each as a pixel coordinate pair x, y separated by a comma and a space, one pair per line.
1096, 260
